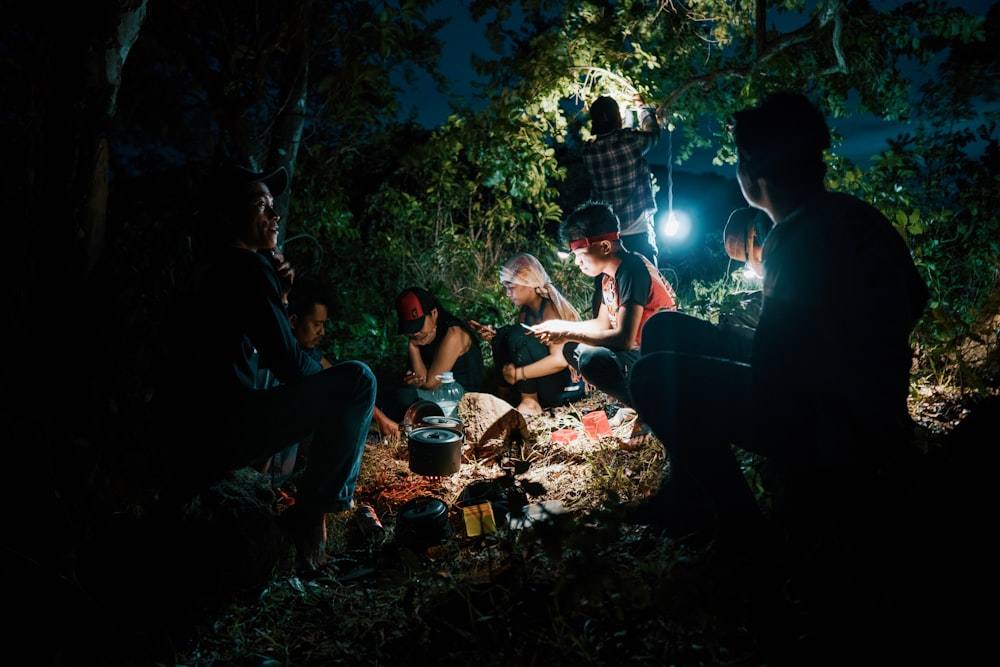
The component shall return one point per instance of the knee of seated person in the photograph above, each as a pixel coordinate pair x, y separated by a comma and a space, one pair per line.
590, 356
671, 330
569, 353
363, 372
650, 374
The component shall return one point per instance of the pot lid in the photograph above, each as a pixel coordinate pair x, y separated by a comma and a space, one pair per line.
435, 420
419, 411
422, 509
434, 435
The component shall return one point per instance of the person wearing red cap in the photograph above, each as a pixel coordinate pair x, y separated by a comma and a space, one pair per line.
229, 322
604, 349
438, 341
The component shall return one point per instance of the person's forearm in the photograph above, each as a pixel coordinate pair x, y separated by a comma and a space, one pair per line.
416, 362
647, 119
541, 368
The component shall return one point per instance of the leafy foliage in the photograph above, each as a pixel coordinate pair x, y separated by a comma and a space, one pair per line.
443, 208
377, 204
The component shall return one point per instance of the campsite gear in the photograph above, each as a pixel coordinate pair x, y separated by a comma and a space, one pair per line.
448, 394
416, 413
443, 422
435, 451
596, 424
422, 522
369, 524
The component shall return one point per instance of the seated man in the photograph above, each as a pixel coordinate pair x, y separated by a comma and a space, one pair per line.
310, 307
819, 389
228, 322
605, 348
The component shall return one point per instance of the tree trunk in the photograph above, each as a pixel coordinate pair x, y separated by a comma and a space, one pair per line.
289, 124
83, 101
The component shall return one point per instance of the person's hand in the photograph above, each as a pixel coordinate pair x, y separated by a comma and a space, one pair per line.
485, 331
286, 273
542, 331
411, 379
509, 373
549, 337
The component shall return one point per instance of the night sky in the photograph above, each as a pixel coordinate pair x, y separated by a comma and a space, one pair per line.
864, 134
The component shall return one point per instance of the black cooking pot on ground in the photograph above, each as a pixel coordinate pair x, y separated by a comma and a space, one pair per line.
422, 522
435, 451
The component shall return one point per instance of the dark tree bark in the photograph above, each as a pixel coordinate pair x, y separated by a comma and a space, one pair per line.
289, 124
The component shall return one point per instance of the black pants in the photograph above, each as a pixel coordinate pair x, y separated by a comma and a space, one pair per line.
513, 345
692, 386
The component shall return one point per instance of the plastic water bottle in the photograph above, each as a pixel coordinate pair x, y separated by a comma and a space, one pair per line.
448, 394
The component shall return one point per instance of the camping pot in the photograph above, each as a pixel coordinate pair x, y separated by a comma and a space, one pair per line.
417, 414
435, 451
422, 522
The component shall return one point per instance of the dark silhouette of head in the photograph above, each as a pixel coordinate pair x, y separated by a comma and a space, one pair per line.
782, 139
604, 115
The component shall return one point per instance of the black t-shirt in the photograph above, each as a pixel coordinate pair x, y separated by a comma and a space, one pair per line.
469, 370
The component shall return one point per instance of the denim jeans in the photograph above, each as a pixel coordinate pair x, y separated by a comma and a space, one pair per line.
334, 406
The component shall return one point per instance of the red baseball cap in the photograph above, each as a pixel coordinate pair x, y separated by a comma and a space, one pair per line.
412, 306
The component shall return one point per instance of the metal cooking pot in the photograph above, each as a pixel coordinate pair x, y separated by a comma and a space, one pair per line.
422, 522
418, 412
435, 451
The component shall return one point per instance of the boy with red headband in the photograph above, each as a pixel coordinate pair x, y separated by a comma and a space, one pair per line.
605, 348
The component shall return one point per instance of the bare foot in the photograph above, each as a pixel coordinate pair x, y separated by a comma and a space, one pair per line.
312, 546
307, 531
529, 406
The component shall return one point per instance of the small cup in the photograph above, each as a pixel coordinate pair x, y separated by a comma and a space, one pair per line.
596, 424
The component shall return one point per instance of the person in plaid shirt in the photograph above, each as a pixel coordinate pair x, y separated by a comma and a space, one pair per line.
619, 173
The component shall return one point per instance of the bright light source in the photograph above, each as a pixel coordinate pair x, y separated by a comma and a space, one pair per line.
749, 273
675, 226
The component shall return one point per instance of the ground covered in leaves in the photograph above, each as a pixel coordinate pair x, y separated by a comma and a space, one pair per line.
575, 587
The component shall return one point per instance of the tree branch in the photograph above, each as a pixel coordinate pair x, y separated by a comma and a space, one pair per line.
834, 11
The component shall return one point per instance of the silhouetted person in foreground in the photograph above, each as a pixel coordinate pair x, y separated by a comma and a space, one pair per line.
822, 394
228, 323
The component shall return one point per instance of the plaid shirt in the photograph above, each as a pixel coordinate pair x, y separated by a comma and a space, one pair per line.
620, 176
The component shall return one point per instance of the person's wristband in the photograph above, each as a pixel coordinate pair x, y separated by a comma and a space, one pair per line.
524, 375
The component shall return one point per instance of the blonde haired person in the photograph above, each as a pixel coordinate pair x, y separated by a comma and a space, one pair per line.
538, 372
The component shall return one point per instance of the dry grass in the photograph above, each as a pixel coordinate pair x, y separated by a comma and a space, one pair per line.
578, 473
580, 589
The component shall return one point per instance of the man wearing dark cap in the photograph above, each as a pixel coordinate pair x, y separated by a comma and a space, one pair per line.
619, 174
228, 323
823, 397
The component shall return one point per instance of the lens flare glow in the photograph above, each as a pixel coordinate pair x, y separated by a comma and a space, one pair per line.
675, 226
